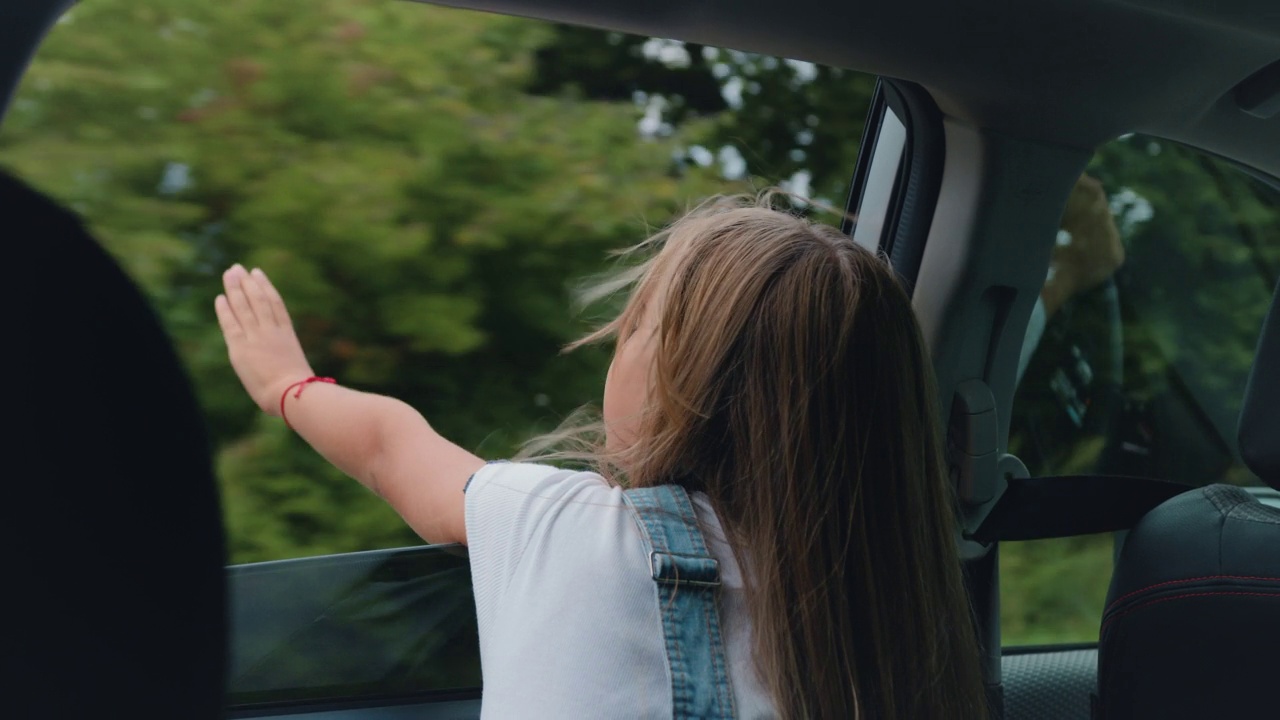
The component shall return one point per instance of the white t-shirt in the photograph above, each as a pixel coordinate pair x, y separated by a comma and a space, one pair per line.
569, 623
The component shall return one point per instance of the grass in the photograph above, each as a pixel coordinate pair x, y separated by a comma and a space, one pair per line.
1053, 591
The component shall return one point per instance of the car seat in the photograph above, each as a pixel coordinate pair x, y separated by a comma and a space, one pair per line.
1192, 621
117, 599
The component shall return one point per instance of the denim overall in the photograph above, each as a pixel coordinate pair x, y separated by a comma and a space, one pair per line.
686, 582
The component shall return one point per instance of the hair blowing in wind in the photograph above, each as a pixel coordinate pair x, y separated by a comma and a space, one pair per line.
790, 384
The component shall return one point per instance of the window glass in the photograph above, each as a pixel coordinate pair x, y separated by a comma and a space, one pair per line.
425, 185
882, 177
1152, 310
361, 625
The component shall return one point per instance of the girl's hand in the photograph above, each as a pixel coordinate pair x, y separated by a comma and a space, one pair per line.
264, 349
1095, 251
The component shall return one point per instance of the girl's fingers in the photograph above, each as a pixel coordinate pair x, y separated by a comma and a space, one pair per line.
233, 281
278, 309
226, 318
258, 300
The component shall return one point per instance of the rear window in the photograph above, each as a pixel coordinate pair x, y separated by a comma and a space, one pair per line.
1144, 372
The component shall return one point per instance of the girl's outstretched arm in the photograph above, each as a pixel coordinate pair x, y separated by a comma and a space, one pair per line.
380, 441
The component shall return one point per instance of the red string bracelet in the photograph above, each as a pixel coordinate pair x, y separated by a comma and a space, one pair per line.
301, 385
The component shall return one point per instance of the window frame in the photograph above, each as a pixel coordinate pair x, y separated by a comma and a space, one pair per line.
916, 180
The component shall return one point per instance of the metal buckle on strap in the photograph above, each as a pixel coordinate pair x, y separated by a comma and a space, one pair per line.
676, 569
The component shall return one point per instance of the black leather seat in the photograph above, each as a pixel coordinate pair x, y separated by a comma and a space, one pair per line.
1192, 623
116, 602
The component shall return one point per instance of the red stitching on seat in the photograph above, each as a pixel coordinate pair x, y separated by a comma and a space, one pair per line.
1126, 596
1149, 603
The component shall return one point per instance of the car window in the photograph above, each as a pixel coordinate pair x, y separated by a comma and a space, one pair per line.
425, 185
361, 626
881, 182
1142, 372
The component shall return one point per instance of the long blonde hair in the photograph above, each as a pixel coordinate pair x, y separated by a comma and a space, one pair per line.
791, 385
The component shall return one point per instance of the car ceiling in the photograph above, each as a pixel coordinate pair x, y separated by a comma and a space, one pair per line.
1069, 72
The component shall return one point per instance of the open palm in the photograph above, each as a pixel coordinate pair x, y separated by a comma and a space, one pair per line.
261, 342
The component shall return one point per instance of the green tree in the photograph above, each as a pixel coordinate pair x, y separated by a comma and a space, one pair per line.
424, 216
780, 117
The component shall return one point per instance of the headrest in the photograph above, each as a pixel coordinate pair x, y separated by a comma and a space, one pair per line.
1259, 434
110, 490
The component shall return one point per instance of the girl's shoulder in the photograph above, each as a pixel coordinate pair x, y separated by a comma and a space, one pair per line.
521, 477
509, 503
569, 524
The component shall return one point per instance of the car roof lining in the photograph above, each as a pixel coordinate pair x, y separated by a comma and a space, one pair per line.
1068, 72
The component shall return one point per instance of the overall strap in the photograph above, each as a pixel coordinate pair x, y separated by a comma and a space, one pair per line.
686, 583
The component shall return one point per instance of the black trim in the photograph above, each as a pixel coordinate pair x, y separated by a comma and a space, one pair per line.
920, 177
1046, 649
982, 584
893, 213
277, 709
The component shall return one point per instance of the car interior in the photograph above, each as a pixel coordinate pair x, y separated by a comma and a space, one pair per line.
984, 117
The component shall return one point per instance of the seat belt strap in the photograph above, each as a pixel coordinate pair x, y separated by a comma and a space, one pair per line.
1066, 506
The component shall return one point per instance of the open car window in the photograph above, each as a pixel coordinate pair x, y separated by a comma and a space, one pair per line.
1143, 373
426, 186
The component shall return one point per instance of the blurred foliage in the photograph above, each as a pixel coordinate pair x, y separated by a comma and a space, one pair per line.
424, 216
421, 186
784, 117
426, 186
1053, 591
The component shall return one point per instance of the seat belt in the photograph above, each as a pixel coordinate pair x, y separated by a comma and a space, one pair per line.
1067, 506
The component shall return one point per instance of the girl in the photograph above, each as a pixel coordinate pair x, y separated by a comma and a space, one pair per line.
785, 543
